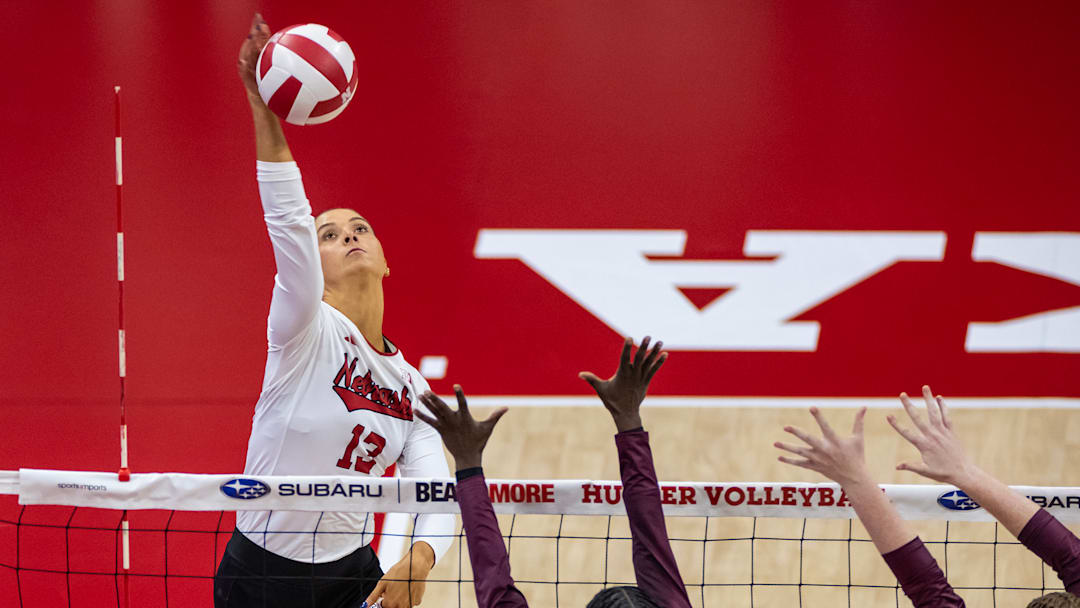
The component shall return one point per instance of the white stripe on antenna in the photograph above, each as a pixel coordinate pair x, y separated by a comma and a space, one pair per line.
120, 256
123, 356
119, 162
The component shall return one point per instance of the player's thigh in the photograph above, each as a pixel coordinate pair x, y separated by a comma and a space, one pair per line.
352, 594
237, 587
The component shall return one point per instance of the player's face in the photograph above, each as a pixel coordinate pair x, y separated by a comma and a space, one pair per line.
348, 247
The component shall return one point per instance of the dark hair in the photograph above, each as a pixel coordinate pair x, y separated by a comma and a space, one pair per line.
1058, 599
621, 597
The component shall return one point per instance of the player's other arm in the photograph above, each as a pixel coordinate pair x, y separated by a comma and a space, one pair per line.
842, 460
944, 459
465, 439
655, 567
298, 285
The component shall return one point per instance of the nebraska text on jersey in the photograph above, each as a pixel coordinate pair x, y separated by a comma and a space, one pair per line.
362, 393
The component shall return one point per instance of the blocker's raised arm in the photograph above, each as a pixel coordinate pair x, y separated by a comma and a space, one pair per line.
944, 459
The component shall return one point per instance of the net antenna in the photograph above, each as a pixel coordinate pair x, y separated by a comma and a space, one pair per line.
124, 473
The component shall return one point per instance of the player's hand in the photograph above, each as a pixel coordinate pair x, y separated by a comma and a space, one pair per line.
943, 456
404, 583
464, 436
623, 393
841, 459
256, 39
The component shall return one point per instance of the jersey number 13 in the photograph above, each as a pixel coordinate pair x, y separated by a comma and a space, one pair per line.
364, 462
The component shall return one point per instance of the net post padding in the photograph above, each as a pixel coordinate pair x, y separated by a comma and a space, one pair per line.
202, 492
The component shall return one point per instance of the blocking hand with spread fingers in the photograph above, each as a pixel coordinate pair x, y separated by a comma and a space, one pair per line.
841, 459
464, 436
943, 456
624, 391
944, 459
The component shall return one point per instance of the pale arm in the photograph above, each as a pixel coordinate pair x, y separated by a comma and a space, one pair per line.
944, 460
842, 460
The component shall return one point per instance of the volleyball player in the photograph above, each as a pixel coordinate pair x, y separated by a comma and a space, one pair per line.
842, 460
658, 578
944, 460
338, 398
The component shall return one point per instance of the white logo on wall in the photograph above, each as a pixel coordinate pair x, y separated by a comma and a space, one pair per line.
607, 272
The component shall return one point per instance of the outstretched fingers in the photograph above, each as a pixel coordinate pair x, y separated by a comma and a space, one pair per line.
798, 450
944, 412
493, 419
652, 355
639, 356
913, 413
436, 405
655, 367
914, 468
463, 406
826, 428
593, 380
857, 427
933, 412
624, 358
911, 437
804, 463
436, 424
806, 438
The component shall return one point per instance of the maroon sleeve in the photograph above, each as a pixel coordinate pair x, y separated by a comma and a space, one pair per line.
921, 578
490, 563
1046, 537
654, 563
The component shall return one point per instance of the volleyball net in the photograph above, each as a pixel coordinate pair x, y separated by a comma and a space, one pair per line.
737, 544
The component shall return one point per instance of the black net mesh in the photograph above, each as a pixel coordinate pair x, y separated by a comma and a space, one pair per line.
67, 556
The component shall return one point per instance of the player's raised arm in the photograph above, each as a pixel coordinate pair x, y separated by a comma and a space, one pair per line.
298, 285
842, 460
654, 563
465, 439
270, 144
944, 460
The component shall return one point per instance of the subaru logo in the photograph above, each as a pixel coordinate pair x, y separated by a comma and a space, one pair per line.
244, 489
957, 500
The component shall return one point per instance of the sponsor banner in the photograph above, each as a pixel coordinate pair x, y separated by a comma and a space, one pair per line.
192, 492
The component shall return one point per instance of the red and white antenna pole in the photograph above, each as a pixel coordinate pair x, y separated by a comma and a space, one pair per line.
124, 473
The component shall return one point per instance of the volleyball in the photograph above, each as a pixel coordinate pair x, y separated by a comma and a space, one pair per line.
306, 74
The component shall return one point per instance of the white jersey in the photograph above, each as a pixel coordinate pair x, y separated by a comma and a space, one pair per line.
330, 403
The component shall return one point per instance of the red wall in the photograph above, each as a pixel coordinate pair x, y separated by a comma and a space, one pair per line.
710, 118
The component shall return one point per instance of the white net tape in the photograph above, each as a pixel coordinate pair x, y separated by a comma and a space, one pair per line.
198, 492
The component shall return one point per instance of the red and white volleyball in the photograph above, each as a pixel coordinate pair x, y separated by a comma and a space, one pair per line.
306, 74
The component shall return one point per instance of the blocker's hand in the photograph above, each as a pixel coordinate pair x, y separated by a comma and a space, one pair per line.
404, 583
943, 456
623, 393
256, 39
841, 459
464, 436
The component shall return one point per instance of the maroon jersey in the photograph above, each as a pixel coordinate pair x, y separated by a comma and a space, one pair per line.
1046, 537
654, 563
923, 581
